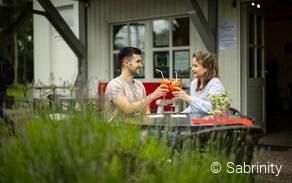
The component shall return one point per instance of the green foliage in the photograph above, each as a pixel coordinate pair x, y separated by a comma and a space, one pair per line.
86, 148
220, 101
24, 30
16, 92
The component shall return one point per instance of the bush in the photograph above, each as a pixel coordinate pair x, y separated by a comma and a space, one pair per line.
87, 149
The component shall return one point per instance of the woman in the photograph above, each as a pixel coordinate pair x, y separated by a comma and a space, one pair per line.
205, 70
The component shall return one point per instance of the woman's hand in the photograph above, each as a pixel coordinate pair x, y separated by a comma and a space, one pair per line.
179, 93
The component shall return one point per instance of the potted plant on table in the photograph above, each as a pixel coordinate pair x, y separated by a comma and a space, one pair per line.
221, 105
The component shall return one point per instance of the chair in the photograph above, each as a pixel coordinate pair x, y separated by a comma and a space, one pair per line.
235, 140
100, 93
174, 103
234, 111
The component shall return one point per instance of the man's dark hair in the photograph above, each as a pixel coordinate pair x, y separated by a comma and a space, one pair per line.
127, 53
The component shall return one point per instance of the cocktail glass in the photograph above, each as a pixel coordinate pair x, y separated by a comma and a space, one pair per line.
174, 84
167, 83
163, 82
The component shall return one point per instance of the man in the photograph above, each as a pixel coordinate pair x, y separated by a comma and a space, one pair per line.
125, 95
6, 69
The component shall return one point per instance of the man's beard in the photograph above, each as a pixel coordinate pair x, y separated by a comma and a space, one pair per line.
133, 71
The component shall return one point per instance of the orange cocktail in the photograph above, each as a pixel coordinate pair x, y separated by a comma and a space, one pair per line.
165, 82
174, 84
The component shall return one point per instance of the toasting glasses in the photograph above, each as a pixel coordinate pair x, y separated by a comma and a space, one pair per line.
169, 84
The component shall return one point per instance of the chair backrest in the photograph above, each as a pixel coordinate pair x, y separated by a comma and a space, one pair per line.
237, 140
232, 110
150, 88
174, 102
100, 92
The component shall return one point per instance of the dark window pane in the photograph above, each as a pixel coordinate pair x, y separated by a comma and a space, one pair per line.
120, 36
117, 66
137, 35
161, 62
181, 32
251, 29
160, 33
251, 63
259, 63
259, 30
181, 64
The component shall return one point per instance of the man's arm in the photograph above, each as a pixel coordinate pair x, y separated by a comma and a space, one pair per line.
148, 111
131, 108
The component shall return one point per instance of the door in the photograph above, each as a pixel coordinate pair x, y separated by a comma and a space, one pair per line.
253, 63
65, 62
65, 65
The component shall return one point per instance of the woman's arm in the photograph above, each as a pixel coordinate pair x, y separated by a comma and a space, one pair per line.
202, 104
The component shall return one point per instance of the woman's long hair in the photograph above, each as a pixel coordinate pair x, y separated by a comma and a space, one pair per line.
208, 61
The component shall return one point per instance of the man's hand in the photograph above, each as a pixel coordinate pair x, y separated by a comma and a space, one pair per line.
160, 91
131, 108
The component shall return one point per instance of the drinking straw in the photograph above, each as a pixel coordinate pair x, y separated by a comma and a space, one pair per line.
160, 72
175, 76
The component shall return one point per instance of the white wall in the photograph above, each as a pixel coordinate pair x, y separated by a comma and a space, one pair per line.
229, 59
52, 55
102, 13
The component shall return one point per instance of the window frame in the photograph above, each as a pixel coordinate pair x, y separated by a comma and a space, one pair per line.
149, 49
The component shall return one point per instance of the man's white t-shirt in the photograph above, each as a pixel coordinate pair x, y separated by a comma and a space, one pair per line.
119, 87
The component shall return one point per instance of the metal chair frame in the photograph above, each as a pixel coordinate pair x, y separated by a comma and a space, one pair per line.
235, 140
232, 110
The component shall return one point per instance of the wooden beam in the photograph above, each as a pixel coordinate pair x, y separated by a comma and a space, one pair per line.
81, 79
212, 16
64, 30
201, 24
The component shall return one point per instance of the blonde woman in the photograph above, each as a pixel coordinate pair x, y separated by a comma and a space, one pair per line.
207, 81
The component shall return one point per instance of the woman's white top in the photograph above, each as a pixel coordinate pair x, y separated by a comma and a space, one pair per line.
200, 102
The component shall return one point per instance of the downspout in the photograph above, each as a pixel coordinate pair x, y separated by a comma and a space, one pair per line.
81, 80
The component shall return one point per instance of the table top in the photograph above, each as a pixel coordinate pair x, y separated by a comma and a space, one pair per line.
186, 120
52, 87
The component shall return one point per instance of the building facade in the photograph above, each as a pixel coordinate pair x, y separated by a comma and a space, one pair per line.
168, 32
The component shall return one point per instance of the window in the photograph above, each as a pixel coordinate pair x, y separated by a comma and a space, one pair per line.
124, 35
256, 46
165, 44
160, 33
181, 35
161, 62
181, 62
171, 43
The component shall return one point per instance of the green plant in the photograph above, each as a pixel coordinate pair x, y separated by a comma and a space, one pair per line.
219, 101
73, 88
86, 148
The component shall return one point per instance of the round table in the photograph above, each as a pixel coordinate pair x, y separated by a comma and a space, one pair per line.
185, 121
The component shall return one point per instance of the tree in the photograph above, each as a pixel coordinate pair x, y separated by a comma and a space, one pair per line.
16, 42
